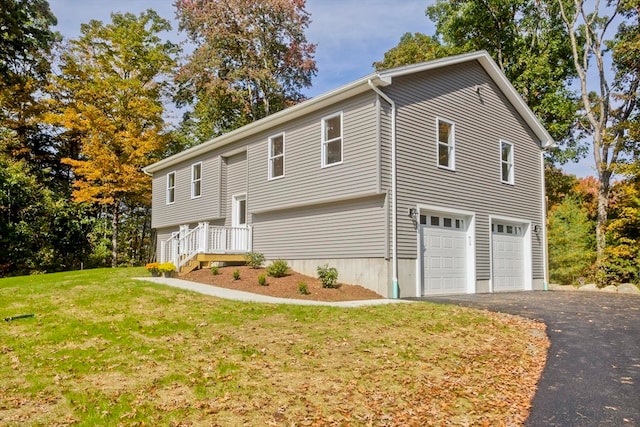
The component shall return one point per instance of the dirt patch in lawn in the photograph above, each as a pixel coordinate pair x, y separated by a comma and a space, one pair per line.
282, 287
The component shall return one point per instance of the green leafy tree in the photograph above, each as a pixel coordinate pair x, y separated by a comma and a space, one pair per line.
527, 40
23, 207
413, 48
109, 95
251, 59
26, 42
570, 241
39, 230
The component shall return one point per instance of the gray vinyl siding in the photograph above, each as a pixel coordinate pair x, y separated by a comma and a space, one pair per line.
236, 181
347, 229
305, 181
185, 209
481, 120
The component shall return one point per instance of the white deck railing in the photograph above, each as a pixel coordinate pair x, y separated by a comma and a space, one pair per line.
182, 246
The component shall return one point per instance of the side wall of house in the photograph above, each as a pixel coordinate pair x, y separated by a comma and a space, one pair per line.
312, 212
482, 116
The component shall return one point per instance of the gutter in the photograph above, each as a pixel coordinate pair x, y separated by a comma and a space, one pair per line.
394, 196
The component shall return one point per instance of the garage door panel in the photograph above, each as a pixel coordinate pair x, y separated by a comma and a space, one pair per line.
444, 261
508, 262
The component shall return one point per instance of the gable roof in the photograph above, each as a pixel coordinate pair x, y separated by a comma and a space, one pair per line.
379, 78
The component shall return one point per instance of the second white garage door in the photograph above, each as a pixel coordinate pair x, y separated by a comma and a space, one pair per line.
508, 257
444, 258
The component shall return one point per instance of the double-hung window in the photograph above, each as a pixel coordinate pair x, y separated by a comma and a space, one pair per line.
446, 144
196, 180
332, 140
506, 162
276, 156
171, 187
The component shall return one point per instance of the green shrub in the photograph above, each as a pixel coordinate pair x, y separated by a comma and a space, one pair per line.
278, 268
214, 270
236, 274
262, 280
328, 276
254, 259
303, 288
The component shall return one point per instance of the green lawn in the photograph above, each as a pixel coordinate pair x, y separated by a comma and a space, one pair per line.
104, 349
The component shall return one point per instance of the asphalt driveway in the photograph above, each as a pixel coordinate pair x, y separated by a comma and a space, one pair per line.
592, 376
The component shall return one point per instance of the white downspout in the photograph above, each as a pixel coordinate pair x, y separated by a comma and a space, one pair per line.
394, 213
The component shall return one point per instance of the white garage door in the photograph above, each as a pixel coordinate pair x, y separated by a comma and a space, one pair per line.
508, 257
443, 255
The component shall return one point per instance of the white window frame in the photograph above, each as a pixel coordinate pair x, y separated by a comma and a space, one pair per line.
508, 162
450, 144
326, 142
196, 182
273, 158
170, 196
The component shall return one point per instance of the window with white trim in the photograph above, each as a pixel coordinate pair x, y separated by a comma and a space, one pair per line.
196, 180
276, 156
446, 144
332, 140
171, 187
506, 162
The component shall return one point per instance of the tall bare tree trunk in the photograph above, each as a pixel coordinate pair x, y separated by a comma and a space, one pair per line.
603, 209
115, 220
596, 103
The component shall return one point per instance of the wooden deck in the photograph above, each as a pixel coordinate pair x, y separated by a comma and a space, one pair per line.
204, 260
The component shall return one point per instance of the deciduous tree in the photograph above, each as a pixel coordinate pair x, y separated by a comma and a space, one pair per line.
109, 94
413, 48
26, 41
251, 59
608, 96
571, 250
527, 40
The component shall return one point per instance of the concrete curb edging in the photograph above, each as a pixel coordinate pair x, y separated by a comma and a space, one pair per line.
232, 294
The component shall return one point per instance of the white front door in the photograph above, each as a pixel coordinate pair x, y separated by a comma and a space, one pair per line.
508, 256
443, 254
239, 223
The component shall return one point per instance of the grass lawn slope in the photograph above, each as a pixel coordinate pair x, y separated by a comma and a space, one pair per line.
103, 349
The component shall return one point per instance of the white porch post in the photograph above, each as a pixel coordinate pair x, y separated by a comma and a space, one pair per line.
175, 258
163, 251
203, 246
249, 238
184, 230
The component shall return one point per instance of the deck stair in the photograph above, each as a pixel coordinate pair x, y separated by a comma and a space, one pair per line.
190, 249
205, 260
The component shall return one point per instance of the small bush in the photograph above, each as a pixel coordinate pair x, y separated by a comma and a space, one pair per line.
328, 276
236, 274
214, 270
303, 288
262, 280
278, 268
254, 259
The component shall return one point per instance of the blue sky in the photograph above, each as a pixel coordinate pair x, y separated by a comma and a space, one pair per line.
351, 34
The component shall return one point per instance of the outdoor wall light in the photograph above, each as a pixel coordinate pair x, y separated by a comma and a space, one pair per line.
536, 228
413, 213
